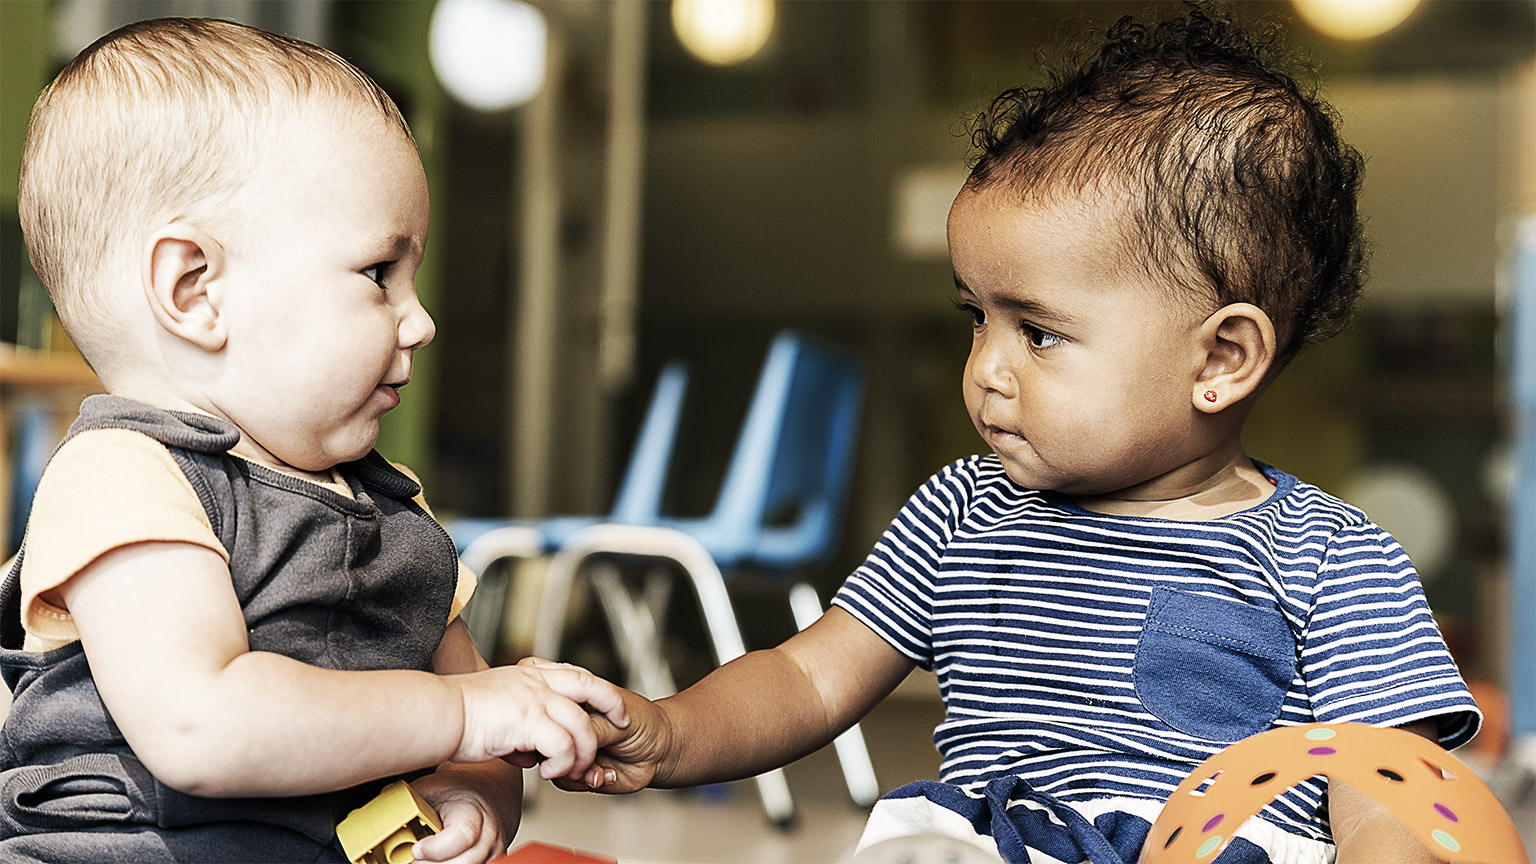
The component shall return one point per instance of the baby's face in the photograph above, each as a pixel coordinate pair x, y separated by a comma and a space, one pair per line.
1079, 376
321, 303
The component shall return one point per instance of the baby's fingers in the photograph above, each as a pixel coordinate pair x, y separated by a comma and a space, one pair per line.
606, 732
579, 738
556, 748
445, 845
577, 684
594, 779
567, 740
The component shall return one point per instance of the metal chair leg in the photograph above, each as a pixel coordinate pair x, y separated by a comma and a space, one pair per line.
635, 633
487, 612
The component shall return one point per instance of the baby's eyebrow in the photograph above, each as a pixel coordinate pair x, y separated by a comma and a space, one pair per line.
1035, 311
1022, 306
397, 245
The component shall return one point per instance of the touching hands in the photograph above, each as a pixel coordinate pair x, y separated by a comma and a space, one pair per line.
631, 757
533, 713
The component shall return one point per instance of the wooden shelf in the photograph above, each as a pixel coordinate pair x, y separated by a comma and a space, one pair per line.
24, 367
59, 379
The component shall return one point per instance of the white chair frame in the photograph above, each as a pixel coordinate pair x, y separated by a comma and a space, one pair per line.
633, 617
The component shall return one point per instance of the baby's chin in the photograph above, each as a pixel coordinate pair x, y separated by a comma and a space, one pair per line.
1047, 481
322, 459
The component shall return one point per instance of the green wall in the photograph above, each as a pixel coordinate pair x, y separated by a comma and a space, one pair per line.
24, 70
389, 41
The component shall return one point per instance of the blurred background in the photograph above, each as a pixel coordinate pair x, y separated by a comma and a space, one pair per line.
618, 184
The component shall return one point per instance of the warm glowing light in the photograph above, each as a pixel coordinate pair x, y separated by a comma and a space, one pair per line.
722, 32
489, 54
1355, 19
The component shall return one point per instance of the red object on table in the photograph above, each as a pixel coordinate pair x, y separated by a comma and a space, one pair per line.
544, 853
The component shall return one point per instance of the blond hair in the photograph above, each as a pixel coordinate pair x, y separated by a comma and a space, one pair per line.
160, 120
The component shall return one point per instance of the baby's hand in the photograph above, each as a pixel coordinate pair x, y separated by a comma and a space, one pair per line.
631, 757
534, 713
471, 832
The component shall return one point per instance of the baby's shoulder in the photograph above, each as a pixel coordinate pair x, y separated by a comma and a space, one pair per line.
1304, 505
109, 457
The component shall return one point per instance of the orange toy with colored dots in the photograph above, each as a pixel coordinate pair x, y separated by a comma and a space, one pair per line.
1430, 791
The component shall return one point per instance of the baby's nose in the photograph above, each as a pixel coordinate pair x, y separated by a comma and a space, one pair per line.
416, 328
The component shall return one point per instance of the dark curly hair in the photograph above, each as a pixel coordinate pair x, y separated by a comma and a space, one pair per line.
1240, 181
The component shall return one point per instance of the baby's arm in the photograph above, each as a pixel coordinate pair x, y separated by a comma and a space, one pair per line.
760, 711
1365, 832
167, 645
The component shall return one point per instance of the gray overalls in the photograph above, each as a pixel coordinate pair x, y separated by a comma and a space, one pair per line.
343, 583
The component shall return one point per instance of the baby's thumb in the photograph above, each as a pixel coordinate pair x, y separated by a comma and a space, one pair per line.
451, 841
607, 733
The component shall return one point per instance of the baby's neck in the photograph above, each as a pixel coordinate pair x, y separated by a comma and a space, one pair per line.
1233, 489
169, 400
253, 454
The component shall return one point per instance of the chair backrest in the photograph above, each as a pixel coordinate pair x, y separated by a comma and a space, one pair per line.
638, 501
782, 499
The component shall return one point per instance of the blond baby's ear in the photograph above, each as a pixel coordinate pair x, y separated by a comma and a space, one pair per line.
182, 265
1238, 343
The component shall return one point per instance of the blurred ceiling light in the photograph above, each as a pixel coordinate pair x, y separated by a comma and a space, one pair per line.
490, 54
1355, 19
723, 32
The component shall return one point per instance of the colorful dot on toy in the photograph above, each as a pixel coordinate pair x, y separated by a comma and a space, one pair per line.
1446, 840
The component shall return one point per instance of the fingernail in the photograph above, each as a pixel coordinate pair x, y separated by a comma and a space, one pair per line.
610, 775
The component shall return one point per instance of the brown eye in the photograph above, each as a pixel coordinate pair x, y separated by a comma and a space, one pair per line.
1040, 338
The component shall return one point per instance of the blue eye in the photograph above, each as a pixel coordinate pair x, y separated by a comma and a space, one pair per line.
978, 317
376, 273
1040, 339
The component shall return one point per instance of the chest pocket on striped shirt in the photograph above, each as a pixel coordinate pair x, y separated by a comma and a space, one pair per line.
1216, 669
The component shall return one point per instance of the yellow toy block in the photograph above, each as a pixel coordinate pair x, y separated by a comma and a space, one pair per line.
384, 830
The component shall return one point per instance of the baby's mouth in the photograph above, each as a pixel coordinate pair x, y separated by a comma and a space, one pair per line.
998, 433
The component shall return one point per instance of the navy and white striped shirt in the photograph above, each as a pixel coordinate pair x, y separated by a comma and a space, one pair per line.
1106, 656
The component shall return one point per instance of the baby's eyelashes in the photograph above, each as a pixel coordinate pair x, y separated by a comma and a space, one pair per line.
375, 272
978, 317
1040, 338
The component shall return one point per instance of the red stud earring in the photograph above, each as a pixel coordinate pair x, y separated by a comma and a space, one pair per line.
1210, 396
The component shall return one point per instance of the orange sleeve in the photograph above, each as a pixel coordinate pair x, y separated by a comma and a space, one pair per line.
103, 490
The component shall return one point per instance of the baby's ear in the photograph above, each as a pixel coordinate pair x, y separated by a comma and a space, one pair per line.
182, 266
1238, 343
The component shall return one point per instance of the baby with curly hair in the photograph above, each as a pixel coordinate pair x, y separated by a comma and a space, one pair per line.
1117, 590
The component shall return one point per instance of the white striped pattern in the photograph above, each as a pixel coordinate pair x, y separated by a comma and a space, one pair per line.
1030, 610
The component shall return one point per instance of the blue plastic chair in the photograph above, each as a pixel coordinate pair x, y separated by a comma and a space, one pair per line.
483, 543
1522, 524
779, 510
36, 438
